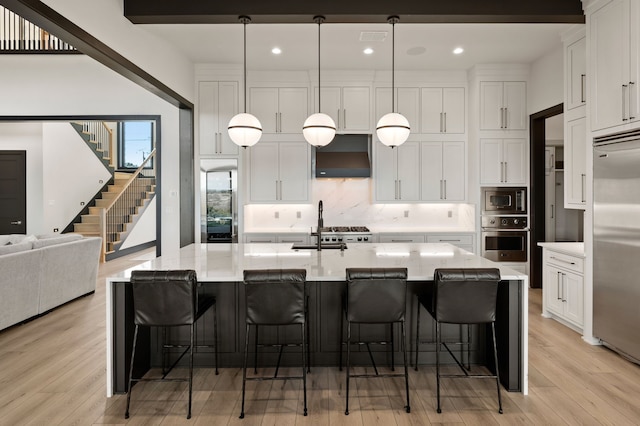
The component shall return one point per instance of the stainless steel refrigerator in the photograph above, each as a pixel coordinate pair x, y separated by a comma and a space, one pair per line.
616, 243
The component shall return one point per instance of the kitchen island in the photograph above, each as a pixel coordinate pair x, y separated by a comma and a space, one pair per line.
220, 271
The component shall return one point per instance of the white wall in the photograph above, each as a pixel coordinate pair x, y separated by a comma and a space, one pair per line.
50, 85
27, 136
144, 230
546, 83
72, 174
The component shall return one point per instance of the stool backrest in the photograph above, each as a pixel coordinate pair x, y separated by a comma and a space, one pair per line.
275, 296
466, 296
164, 298
376, 295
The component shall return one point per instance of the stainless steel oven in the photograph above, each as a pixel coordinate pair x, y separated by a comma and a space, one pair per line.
504, 238
504, 200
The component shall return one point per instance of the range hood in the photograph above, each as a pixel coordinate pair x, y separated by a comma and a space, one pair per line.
345, 157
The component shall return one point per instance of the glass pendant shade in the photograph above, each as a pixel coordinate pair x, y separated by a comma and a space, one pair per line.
393, 129
245, 129
319, 129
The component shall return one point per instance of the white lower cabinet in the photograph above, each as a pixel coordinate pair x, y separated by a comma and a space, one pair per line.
563, 288
463, 241
277, 238
401, 238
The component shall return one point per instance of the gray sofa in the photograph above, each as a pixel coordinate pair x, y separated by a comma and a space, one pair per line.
40, 273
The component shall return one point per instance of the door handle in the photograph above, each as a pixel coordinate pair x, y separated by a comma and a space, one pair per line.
16, 222
582, 87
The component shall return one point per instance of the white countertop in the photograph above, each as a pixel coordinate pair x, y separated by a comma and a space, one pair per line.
374, 230
573, 249
226, 262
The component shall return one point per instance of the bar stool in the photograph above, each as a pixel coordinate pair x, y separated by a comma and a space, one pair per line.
375, 296
169, 299
465, 296
275, 297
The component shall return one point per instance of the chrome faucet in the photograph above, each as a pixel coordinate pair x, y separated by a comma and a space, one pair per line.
320, 226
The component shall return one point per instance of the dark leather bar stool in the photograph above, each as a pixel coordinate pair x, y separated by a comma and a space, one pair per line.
275, 297
465, 296
375, 296
169, 299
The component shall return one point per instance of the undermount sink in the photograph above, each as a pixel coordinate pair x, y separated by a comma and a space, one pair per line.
323, 246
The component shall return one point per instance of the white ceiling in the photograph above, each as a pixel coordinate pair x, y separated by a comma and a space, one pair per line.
418, 46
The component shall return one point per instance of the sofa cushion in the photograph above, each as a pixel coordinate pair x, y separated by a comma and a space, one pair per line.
58, 239
15, 248
6, 240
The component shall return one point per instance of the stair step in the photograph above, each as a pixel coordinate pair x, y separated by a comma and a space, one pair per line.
94, 211
90, 218
86, 227
103, 202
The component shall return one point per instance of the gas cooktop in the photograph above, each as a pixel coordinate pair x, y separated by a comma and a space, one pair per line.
344, 229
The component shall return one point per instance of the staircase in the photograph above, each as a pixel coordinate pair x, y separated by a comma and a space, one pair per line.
99, 138
122, 218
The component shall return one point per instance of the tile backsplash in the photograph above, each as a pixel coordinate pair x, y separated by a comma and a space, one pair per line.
349, 202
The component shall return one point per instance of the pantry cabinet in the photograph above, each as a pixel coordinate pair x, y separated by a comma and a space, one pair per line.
503, 105
443, 171
279, 109
502, 161
279, 172
614, 40
217, 104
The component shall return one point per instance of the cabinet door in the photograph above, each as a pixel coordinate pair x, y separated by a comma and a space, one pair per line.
263, 103
386, 178
514, 102
294, 168
331, 101
263, 172
553, 290
408, 104
453, 107
575, 164
573, 298
432, 188
634, 61
576, 63
408, 171
292, 108
383, 103
491, 115
609, 41
453, 171
227, 108
356, 110
491, 164
431, 115
208, 117
514, 159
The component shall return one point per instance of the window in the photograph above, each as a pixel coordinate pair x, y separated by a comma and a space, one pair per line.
135, 143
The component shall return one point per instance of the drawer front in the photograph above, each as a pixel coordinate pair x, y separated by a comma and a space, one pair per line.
300, 239
565, 261
456, 240
260, 239
401, 238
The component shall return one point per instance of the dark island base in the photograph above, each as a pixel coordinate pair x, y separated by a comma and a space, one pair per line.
325, 300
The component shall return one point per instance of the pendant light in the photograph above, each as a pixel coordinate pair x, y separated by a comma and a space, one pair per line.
319, 129
393, 129
245, 129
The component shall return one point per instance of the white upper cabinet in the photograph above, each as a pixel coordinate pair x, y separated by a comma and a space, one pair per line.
279, 109
397, 172
614, 43
405, 102
502, 161
575, 164
443, 171
279, 172
217, 104
576, 74
443, 110
502, 105
348, 106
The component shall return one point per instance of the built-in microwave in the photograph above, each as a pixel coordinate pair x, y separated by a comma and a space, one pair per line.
504, 200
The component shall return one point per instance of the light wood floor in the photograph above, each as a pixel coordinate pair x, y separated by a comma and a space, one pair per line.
52, 372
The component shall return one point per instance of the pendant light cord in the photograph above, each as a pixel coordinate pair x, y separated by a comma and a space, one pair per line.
392, 20
245, 20
319, 20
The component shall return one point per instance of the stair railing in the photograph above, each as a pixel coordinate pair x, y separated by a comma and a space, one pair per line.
115, 214
102, 135
17, 35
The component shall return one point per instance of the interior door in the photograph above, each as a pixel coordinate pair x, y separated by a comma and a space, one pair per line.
13, 192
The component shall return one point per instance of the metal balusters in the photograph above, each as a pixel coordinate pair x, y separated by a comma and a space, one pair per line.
19, 35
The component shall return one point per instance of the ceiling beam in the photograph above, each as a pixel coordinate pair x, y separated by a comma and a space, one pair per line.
354, 11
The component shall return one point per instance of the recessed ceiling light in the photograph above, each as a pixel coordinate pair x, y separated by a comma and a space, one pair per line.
458, 50
368, 51
276, 51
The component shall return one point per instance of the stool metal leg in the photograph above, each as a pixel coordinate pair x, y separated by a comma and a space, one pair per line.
244, 368
495, 357
255, 353
133, 357
438, 337
393, 349
406, 367
304, 367
417, 332
215, 334
346, 411
191, 370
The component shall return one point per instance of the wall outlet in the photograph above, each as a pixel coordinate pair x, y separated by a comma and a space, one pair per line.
55, 229
276, 215
406, 213
449, 213
82, 203
299, 215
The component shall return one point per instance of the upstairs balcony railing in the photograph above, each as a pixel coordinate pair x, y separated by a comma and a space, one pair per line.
17, 35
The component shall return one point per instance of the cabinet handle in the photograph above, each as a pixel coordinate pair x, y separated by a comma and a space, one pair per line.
445, 122
552, 211
584, 184
624, 104
441, 189
631, 84
449, 241
506, 175
401, 241
399, 189
506, 123
395, 195
562, 260
440, 122
338, 114
564, 287
582, 88
559, 275
501, 118
219, 143
444, 182
16, 222
344, 118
